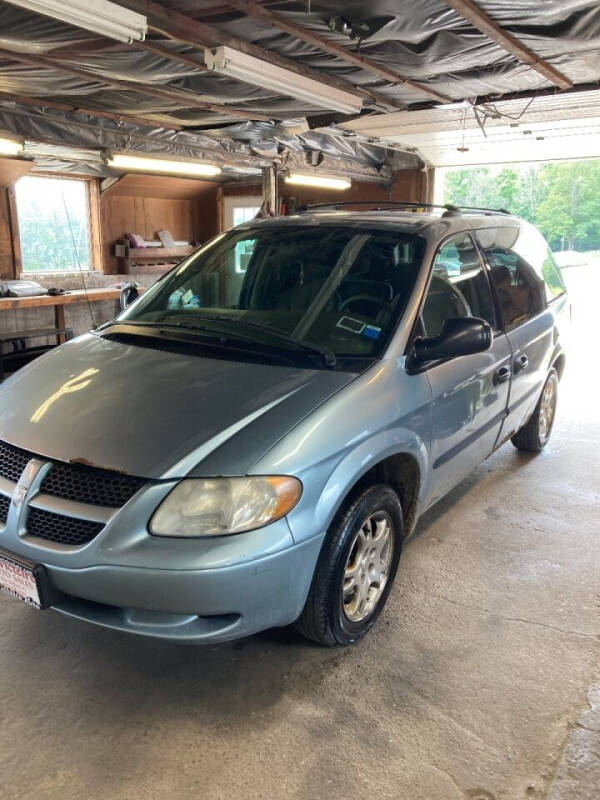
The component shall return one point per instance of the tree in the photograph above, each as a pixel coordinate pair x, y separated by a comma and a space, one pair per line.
468, 187
571, 208
561, 198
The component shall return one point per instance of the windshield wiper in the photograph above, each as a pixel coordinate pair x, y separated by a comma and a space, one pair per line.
326, 354
223, 336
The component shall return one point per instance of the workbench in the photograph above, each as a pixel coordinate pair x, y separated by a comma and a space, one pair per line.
59, 302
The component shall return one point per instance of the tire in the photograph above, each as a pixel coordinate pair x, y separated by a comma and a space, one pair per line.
534, 436
371, 522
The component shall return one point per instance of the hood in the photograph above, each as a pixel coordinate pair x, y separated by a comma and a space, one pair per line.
152, 413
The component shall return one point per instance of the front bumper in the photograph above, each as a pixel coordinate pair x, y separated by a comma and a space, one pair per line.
193, 606
189, 590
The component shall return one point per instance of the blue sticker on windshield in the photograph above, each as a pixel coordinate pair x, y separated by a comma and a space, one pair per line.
372, 331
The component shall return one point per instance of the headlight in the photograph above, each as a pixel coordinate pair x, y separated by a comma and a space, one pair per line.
217, 506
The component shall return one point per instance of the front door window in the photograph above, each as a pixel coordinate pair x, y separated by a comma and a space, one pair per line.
458, 288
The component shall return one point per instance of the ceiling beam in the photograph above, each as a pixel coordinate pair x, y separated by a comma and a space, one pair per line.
217, 9
190, 31
484, 23
252, 9
95, 45
109, 182
85, 47
184, 98
41, 102
182, 58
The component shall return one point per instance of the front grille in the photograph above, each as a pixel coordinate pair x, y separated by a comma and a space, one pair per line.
99, 487
60, 529
75, 482
13, 461
4, 506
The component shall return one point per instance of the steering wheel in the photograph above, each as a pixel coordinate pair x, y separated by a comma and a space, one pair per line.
369, 298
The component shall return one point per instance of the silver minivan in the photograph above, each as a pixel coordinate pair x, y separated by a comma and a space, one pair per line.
251, 441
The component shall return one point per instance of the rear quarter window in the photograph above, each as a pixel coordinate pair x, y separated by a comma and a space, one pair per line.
530, 248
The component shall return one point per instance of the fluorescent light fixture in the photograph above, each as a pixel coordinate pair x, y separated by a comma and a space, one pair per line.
10, 146
282, 81
98, 16
190, 169
318, 181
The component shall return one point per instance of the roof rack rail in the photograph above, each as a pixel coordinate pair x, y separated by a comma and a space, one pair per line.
392, 204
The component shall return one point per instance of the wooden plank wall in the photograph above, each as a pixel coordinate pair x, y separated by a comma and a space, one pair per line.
6, 249
11, 169
146, 204
411, 185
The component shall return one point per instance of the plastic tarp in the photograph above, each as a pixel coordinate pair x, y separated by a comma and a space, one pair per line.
426, 41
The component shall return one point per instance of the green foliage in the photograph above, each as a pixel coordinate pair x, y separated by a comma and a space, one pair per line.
562, 198
53, 225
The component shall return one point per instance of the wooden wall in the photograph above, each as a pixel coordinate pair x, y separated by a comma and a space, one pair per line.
410, 185
145, 204
7, 256
190, 209
11, 169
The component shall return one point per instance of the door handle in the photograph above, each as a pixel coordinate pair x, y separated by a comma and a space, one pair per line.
502, 375
521, 362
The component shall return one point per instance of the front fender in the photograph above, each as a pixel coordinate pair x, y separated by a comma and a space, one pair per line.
384, 412
396, 441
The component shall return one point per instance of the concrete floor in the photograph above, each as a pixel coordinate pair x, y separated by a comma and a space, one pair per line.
471, 685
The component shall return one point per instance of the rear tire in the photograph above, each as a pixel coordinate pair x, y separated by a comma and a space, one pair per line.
355, 570
534, 436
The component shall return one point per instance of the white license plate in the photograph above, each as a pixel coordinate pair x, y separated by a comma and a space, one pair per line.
19, 581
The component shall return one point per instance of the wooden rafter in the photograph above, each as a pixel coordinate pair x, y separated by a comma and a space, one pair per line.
158, 119
184, 98
85, 47
182, 58
252, 9
95, 45
183, 28
484, 23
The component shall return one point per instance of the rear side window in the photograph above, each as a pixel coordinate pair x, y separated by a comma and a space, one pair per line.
523, 271
531, 246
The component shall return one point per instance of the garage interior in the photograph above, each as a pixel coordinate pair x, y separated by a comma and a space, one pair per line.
481, 678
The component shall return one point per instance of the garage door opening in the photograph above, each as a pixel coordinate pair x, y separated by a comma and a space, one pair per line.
562, 199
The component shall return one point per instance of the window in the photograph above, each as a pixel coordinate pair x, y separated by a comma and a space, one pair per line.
238, 210
54, 224
519, 262
244, 214
458, 288
243, 254
338, 286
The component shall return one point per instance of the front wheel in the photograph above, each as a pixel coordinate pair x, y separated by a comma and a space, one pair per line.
356, 569
534, 436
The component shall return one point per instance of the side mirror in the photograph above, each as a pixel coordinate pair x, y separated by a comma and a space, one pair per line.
460, 336
129, 293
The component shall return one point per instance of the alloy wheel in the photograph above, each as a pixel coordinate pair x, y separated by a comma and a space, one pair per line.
547, 408
367, 566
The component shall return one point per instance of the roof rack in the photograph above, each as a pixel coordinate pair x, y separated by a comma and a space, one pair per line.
413, 206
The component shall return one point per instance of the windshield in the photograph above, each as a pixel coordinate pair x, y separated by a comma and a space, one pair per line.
338, 288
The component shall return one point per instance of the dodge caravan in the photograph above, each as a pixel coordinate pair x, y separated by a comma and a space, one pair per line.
249, 443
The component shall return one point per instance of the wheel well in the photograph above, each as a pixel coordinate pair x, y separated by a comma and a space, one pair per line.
560, 364
401, 472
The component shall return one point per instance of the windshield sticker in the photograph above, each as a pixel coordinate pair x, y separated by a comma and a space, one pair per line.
372, 331
351, 324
